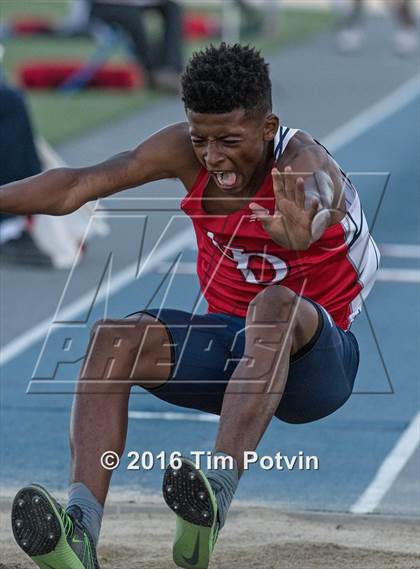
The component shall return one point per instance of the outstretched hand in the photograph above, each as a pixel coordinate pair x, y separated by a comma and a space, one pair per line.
293, 223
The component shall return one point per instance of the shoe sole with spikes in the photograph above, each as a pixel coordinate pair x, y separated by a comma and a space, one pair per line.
189, 495
39, 531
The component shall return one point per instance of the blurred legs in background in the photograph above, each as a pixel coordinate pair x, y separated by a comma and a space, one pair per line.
169, 50
252, 17
77, 21
406, 37
350, 32
162, 61
129, 20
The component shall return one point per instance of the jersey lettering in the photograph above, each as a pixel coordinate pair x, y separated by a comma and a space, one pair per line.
244, 262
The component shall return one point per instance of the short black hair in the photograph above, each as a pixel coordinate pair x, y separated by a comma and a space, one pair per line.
225, 78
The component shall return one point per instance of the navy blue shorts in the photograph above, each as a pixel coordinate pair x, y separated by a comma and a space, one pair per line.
207, 348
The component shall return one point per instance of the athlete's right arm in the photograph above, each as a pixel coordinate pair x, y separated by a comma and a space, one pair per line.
166, 154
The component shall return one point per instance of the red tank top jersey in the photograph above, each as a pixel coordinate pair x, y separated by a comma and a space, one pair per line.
237, 258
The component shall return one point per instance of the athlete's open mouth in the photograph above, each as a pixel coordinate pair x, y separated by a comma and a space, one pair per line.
225, 179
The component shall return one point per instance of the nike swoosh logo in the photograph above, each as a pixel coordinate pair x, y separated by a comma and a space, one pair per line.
193, 560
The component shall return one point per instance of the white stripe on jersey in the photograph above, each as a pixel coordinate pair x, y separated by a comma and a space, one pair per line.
283, 136
362, 253
362, 250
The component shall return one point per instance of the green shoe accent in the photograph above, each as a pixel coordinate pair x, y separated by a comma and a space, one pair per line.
190, 496
52, 538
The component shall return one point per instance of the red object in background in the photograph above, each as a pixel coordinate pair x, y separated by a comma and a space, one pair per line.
195, 26
198, 26
31, 26
49, 74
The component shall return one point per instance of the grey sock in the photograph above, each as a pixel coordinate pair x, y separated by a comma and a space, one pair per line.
224, 483
81, 496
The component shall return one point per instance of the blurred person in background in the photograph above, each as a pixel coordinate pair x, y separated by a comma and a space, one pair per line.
18, 159
162, 61
350, 34
36, 240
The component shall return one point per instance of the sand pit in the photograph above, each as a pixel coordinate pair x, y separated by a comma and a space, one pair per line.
138, 535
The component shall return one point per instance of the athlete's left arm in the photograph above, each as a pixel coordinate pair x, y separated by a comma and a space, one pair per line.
308, 194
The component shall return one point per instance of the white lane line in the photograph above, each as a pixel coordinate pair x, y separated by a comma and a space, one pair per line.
169, 416
399, 275
403, 251
338, 138
395, 101
389, 469
121, 279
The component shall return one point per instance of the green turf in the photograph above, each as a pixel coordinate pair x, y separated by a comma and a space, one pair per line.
46, 8
58, 116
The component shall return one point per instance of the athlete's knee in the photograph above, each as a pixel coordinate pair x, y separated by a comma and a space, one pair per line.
120, 347
116, 335
153, 361
278, 312
269, 330
273, 304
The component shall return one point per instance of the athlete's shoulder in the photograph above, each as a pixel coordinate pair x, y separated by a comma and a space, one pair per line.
183, 156
302, 147
170, 149
305, 155
176, 138
177, 131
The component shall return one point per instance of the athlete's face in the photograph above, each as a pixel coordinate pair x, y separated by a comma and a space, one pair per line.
233, 146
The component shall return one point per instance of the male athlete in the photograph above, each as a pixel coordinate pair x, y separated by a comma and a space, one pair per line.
284, 259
